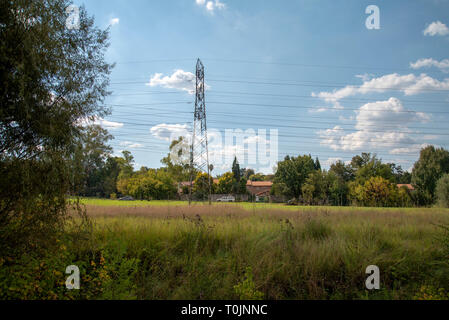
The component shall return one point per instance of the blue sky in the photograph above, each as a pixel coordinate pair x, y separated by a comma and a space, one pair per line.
310, 69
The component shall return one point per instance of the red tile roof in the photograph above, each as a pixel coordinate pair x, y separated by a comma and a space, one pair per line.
259, 183
407, 185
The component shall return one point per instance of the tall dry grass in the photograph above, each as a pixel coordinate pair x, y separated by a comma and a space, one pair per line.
202, 252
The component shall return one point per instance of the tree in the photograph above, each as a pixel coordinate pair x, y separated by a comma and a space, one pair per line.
400, 176
53, 79
442, 191
178, 160
126, 164
343, 171
338, 189
317, 164
201, 185
226, 183
248, 173
89, 161
367, 166
315, 188
432, 164
376, 192
292, 173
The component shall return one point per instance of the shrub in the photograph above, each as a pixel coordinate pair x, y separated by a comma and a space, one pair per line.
246, 290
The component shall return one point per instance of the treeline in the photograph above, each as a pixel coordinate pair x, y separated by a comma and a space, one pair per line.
365, 181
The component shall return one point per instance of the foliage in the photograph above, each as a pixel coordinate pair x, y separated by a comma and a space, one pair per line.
315, 188
442, 191
320, 253
201, 185
151, 184
379, 192
246, 290
226, 183
292, 172
49, 89
177, 161
431, 165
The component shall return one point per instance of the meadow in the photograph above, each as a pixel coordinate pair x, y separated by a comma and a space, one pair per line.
169, 250
274, 251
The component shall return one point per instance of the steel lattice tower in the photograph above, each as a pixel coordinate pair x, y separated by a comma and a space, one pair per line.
199, 154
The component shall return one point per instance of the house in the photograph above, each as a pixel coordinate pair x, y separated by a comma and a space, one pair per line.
256, 188
407, 185
259, 188
183, 184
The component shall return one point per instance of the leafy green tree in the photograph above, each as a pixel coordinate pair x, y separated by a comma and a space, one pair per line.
248, 173
201, 185
53, 78
257, 177
338, 189
400, 176
177, 161
377, 192
292, 172
126, 164
89, 161
367, 166
343, 171
432, 164
226, 183
317, 164
315, 188
442, 191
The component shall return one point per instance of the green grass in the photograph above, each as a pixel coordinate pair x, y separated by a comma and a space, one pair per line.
168, 250
245, 205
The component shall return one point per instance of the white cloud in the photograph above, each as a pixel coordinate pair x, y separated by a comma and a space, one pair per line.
386, 115
413, 149
409, 84
443, 65
330, 161
101, 122
114, 21
436, 28
169, 132
180, 80
211, 6
365, 76
379, 125
131, 145
108, 124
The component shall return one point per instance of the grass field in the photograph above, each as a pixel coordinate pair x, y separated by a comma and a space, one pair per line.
169, 250
273, 251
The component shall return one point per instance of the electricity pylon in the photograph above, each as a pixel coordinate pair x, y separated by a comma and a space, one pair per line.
199, 154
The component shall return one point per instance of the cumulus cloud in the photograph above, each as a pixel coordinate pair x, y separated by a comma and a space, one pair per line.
409, 84
379, 125
114, 21
330, 161
211, 6
436, 28
169, 132
111, 125
443, 65
180, 80
131, 145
